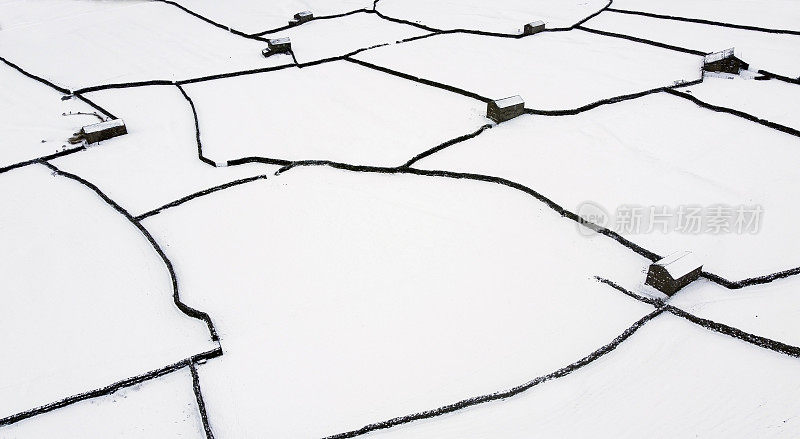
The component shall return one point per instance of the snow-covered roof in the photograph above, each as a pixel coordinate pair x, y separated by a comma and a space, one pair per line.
97, 127
303, 14
536, 23
680, 264
716, 56
276, 41
509, 101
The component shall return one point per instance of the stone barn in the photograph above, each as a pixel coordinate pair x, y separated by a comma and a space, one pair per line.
673, 272
724, 62
302, 17
100, 131
505, 109
533, 28
277, 45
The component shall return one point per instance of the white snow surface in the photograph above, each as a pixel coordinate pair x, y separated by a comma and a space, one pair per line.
164, 407
671, 379
95, 127
343, 299
257, 16
156, 162
502, 16
32, 119
321, 39
774, 100
680, 264
772, 14
776, 53
20, 14
338, 111
658, 150
138, 42
551, 71
770, 310
87, 301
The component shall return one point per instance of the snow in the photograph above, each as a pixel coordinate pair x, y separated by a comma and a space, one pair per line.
770, 310
156, 162
343, 299
97, 127
509, 102
279, 41
772, 52
20, 14
163, 407
679, 264
775, 101
137, 43
558, 70
338, 111
87, 301
717, 56
504, 16
32, 118
256, 16
321, 39
670, 379
348, 289
657, 150
774, 14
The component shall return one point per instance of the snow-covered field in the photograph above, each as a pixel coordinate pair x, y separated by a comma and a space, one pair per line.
773, 14
338, 242
502, 16
670, 379
163, 407
257, 16
775, 53
35, 122
337, 111
771, 310
117, 42
774, 101
157, 161
87, 301
658, 150
551, 71
321, 39
489, 289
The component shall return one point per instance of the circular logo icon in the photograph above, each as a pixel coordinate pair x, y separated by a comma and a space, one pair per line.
593, 217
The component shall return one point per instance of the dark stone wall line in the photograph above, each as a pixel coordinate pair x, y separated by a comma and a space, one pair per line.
189, 311
315, 18
707, 22
564, 371
642, 40
110, 388
446, 144
742, 114
201, 405
190, 197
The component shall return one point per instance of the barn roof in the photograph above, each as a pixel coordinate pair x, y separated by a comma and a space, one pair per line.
716, 56
97, 127
509, 102
275, 41
680, 264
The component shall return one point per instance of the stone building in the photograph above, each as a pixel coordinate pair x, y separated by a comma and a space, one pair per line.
100, 131
505, 109
673, 272
724, 62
